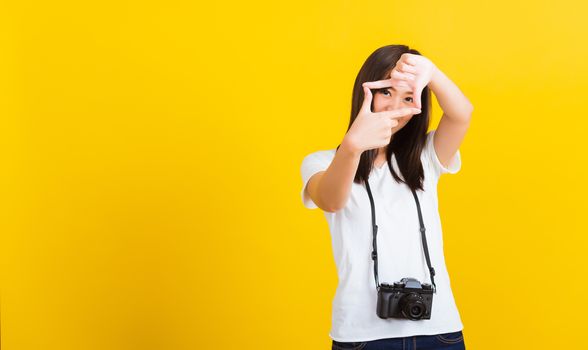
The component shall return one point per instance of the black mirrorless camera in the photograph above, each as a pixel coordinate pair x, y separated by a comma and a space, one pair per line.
407, 298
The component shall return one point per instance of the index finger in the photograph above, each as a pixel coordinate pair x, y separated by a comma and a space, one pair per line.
397, 113
378, 84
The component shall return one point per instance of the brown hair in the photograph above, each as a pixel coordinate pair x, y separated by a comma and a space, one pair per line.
408, 142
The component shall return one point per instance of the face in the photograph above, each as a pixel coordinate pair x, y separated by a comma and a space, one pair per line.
392, 98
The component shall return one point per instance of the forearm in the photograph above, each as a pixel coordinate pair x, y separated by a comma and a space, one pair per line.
452, 101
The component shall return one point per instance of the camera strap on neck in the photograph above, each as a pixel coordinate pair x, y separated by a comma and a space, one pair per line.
375, 231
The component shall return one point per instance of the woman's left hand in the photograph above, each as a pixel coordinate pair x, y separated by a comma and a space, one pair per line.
416, 71
412, 71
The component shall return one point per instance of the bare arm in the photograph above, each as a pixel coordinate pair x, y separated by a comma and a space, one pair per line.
330, 189
455, 121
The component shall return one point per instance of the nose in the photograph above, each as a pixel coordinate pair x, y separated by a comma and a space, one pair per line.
393, 104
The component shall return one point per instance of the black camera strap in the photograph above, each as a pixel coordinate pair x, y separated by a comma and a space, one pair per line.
375, 231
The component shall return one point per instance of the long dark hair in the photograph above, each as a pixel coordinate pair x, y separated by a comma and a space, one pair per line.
408, 142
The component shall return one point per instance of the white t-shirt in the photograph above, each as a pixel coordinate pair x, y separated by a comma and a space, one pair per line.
400, 250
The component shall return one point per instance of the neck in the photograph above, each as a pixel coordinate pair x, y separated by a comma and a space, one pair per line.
381, 156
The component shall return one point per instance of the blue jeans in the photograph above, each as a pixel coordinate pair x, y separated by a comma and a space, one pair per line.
443, 341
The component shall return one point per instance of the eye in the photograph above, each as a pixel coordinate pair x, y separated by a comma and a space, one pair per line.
384, 91
410, 99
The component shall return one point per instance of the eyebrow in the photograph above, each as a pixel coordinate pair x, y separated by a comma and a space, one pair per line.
392, 87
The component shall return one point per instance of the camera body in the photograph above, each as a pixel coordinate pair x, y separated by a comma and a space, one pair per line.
407, 298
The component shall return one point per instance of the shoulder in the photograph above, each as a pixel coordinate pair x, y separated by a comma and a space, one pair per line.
320, 156
312, 164
316, 161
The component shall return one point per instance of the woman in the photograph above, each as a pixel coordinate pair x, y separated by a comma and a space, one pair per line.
387, 141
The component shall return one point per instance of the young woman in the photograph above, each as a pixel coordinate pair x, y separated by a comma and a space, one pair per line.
388, 151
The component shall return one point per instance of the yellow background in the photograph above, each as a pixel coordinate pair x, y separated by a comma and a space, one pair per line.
151, 159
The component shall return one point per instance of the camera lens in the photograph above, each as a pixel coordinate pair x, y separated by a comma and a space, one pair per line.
412, 306
416, 311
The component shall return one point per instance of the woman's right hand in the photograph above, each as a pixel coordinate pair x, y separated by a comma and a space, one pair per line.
373, 130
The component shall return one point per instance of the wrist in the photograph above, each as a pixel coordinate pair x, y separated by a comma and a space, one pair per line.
348, 147
435, 77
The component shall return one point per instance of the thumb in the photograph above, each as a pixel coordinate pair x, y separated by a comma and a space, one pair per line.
366, 107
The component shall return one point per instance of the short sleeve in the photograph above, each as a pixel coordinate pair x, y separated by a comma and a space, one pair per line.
438, 168
312, 164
